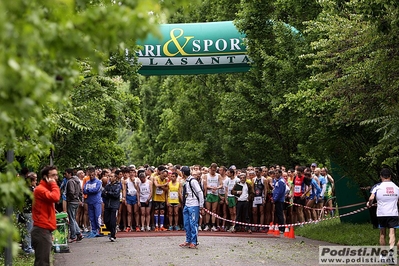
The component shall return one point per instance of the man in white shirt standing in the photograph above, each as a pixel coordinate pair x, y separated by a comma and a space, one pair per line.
193, 205
244, 193
387, 194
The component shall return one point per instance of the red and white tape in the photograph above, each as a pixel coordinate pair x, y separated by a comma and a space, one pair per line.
288, 225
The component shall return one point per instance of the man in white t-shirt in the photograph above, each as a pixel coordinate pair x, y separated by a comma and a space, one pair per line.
387, 194
194, 203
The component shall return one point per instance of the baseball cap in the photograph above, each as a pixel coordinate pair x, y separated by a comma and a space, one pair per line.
314, 164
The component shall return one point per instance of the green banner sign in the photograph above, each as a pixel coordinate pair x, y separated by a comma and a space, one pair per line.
198, 48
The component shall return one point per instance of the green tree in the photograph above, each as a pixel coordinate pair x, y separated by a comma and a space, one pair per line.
353, 86
41, 46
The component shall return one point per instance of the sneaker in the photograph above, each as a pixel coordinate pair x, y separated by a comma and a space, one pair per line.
137, 229
113, 239
148, 228
91, 235
142, 229
199, 228
177, 228
163, 229
79, 237
222, 229
29, 251
85, 229
71, 240
171, 228
214, 229
156, 229
117, 228
128, 229
206, 228
232, 230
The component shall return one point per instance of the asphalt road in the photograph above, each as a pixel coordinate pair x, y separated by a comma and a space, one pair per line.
215, 248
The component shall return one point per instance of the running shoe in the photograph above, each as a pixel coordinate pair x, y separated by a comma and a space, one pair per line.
156, 229
79, 237
142, 229
91, 235
71, 240
128, 229
163, 229
113, 239
170, 228
206, 228
29, 251
137, 229
177, 228
199, 228
214, 229
148, 228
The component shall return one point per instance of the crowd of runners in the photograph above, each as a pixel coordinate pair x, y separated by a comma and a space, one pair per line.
151, 198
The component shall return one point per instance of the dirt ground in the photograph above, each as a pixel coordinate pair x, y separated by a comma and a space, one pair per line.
213, 249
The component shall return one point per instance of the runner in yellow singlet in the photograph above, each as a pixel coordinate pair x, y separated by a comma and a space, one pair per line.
173, 201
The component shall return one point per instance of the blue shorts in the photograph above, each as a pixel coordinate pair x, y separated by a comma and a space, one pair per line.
131, 200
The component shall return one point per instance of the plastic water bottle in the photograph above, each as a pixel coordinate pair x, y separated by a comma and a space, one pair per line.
57, 246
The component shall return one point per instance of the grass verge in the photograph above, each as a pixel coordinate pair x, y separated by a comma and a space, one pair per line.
334, 231
20, 260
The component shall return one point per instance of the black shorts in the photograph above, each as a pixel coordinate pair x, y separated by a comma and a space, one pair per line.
300, 201
145, 204
158, 205
388, 222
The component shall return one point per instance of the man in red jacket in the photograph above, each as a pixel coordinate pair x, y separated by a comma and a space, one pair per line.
45, 195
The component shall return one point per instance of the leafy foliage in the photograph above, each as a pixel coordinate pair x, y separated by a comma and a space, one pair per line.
42, 45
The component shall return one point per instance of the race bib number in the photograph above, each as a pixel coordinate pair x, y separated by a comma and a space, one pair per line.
174, 195
159, 191
257, 200
297, 189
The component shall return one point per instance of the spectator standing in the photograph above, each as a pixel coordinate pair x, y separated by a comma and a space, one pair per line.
243, 191
111, 196
92, 189
279, 198
31, 180
193, 206
74, 197
45, 195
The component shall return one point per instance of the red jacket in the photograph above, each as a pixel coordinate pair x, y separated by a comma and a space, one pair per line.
45, 196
